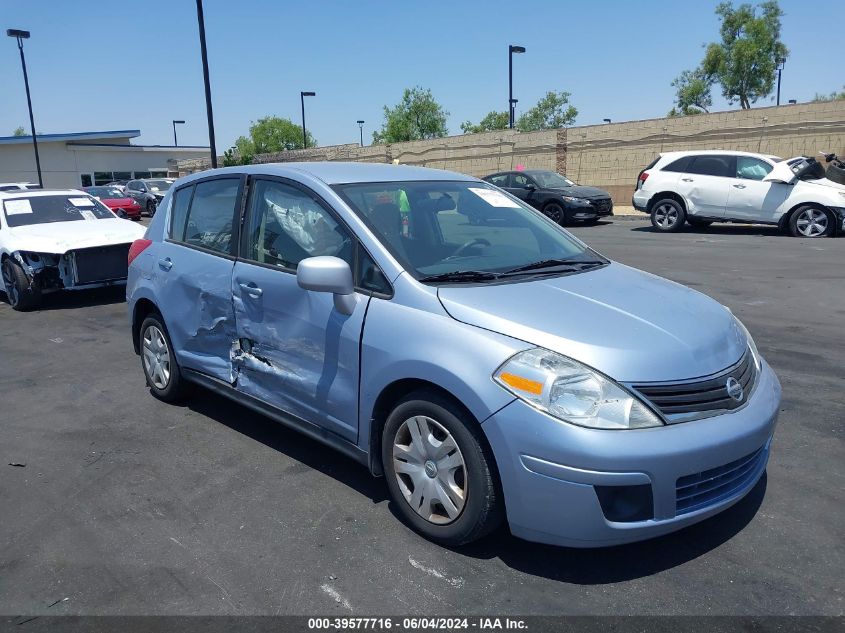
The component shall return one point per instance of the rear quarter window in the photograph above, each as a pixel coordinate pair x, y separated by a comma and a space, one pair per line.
679, 164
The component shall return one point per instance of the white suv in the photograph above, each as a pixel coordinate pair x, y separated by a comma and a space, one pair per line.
703, 187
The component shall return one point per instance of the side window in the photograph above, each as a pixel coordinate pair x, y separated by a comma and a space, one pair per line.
520, 180
212, 214
368, 275
500, 180
712, 165
682, 164
751, 168
132, 185
179, 212
287, 225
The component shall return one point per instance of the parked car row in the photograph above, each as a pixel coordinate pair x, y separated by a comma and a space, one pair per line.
147, 192
702, 187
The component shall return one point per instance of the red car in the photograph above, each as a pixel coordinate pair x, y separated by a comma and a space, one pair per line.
117, 201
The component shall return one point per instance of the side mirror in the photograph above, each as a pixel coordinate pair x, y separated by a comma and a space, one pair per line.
530, 187
329, 274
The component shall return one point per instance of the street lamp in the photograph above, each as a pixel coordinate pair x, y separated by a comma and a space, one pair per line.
302, 96
361, 128
793, 101
175, 142
511, 50
20, 36
209, 113
606, 120
781, 63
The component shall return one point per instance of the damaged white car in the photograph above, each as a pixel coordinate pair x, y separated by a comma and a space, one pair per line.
60, 240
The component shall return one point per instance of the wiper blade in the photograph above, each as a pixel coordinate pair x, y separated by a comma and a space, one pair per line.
462, 275
557, 264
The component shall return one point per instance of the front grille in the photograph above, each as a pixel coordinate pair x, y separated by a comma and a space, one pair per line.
703, 395
99, 264
699, 490
603, 205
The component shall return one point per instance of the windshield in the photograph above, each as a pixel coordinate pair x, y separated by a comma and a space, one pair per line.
158, 185
550, 179
434, 228
105, 193
60, 208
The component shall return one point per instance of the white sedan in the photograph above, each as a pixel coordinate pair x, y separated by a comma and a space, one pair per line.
54, 240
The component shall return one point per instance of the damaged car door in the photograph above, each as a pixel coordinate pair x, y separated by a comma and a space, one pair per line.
194, 273
294, 350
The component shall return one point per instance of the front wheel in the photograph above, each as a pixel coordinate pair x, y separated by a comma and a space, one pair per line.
554, 212
439, 471
158, 361
668, 215
22, 294
811, 222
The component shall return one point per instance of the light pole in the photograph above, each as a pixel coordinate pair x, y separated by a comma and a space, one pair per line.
511, 50
361, 128
175, 142
209, 113
302, 96
20, 36
781, 64
606, 120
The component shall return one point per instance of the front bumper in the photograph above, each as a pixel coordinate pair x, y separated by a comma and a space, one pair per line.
550, 470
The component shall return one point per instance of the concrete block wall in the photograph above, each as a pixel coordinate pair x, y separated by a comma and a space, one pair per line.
609, 155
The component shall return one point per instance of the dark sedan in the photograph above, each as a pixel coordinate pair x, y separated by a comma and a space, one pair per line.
559, 198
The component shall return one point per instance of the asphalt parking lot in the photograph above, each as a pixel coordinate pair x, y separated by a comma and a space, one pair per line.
127, 505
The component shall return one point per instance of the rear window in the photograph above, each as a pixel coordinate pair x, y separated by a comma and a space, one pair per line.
712, 165
59, 208
680, 164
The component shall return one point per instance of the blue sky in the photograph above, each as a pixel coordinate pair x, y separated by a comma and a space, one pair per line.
97, 65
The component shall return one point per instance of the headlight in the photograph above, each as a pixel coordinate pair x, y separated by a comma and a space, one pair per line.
578, 201
572, 392
758, 361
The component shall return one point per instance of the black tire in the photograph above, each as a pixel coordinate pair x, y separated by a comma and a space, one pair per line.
811, 222
151, 208
699, 224
483, 509
22, 295
668, 215
555, 212
836, 172
175, 387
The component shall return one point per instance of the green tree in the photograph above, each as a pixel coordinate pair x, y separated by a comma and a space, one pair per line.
552, 111
19, 131
745, 62
417, 116
692, 93
492, 121
833, 96
268, 135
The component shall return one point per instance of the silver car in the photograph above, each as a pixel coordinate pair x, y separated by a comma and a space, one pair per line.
493, 371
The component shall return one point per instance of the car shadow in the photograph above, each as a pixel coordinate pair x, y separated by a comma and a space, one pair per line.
295, 445
70, 300
622, 562
723, 229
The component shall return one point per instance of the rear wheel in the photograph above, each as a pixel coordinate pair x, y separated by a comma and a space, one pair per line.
158, 361
554, 212
151, 208
22, 294
811, 222
668, 215
439, 471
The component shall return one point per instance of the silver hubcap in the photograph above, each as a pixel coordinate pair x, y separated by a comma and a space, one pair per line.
430, 469
811, 222
156, 357
666, 215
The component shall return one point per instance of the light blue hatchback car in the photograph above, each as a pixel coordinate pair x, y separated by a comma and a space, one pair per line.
491, 370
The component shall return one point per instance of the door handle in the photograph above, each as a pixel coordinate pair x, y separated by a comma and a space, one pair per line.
165, 264
252, 290
687, 179
740, 186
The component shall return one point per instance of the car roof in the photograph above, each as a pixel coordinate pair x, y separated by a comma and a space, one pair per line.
333, 173
723, 152
32, 193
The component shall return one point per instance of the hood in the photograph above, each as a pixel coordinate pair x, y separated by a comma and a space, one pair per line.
582, 191
630, 325
824, 182
118, 203
60, 237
